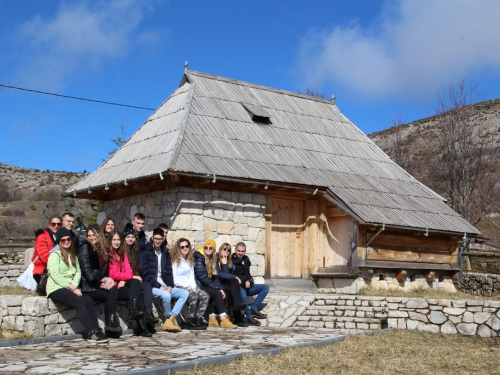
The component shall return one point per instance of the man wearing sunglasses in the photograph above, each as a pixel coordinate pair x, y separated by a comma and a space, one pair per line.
45, 242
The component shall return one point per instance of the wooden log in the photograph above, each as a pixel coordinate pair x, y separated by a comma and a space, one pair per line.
432, 242
397, 255
407, 265
402, 276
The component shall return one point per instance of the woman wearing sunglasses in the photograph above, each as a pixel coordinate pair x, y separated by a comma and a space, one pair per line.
44, 242
183, 271
206, 277
231, 282
62, 285
94, 263
121, 272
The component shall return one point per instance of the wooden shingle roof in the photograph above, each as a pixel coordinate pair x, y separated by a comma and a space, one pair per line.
208, 126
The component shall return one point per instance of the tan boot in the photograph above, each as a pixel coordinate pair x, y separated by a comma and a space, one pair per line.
213, 322
171, 325
226, 323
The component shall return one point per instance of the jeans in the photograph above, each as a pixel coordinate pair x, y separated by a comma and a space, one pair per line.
260, 290
166, 299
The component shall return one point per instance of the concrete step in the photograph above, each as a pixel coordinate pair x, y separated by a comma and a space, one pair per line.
291, 285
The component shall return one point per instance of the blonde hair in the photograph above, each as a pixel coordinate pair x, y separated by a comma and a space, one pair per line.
225, 246
100, 246
210, 263
175, 252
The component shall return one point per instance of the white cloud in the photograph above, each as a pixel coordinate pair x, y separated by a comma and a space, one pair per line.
416, 46
81, 36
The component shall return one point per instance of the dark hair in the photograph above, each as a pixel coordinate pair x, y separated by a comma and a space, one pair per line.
67, 214
132, 252
72, 254
121, 250
139, 216
163, 226
241, 244
105, 222
158, 231
55, 217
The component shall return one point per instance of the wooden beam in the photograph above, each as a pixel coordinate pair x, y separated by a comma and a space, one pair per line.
267, 253
408, 265
416, 256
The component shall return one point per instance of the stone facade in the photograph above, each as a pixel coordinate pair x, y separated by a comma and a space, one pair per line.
199, 214
479, 284
9, 274
11, 257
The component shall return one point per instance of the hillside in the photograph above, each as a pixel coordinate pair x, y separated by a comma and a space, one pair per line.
25, 194
413, 146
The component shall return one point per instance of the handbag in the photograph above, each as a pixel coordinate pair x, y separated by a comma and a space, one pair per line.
26, 279
42, 285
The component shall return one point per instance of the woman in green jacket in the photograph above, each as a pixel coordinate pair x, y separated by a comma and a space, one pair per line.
64, 279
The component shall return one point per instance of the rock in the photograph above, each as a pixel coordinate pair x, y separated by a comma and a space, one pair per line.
35, 306
453, 311
412, 324
468, 329
437, 317
485, 331
494, 323
481, 317
397, 314
428, 328
448, 328
417, 304
468, 317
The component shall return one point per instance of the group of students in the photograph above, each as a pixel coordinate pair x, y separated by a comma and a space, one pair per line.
110, 266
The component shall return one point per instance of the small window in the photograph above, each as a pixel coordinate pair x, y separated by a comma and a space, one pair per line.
258, 114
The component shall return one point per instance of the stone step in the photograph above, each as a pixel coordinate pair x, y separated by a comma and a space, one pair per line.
291, 285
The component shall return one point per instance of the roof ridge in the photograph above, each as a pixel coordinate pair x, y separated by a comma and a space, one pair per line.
262, 87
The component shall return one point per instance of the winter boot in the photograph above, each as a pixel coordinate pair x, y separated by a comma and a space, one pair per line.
142, 329
226, 323
213, 322
171, 325
133, 311
112, 323
149, 318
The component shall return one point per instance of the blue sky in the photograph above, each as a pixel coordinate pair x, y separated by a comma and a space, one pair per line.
379, 58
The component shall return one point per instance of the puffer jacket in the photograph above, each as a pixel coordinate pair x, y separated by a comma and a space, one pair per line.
43, 244
201, 274
149, 266
93, 269
224, 272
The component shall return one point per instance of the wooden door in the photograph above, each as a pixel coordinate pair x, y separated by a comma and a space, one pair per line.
286, 245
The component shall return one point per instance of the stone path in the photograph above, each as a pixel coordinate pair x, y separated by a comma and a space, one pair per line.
154, 355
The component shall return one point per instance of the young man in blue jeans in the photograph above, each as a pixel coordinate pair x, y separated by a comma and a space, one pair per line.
241, 269
156, 269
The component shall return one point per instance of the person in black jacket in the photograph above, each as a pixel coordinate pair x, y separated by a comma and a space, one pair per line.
138, 223
241, 269
205, 273
155, 257
93, 259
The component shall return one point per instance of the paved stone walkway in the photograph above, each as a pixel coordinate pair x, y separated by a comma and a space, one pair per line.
131, 354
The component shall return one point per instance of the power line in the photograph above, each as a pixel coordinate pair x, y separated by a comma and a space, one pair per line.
76, 98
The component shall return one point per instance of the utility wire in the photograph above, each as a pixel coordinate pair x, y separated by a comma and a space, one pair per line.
74, 97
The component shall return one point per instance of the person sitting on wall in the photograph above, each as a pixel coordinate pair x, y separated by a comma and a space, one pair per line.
206, 277
44, 242
68, 222
241, 269
62, 285
165, 234
108, 225
156, 267
138, 223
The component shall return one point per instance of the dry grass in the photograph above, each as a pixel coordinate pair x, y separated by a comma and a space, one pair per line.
15, 290
424, 293
407, 352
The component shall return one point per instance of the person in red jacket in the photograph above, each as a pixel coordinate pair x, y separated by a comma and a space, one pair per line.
45, 242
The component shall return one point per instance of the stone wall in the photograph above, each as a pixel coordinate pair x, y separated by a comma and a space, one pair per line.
11, 257
481, 318
199, 214
480, 284
9, 274
39, 316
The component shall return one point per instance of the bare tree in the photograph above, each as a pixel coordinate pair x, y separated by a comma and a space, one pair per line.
120, 140
464, 168
401, 147
313, 92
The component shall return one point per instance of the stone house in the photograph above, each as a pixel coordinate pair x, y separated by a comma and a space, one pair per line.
288, 174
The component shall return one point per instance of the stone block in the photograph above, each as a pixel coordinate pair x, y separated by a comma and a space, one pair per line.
412, 324
259, 199
35, 306
453, 311
398, 314
481, 317
13, 323
468, 329
417, 304
418, 317
257, 222
240, 229
458, 303
455, 319
12, 301
245, 198
448, 328
468, 317
432, 328
54, 330
14, 311
51, 319
345, 286
13, 273
182, 222
437, 317
364, 326
494, 323
197, 223
67, 315
34, 327
484, 331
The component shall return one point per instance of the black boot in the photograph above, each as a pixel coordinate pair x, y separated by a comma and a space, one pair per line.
192, 324
149, 318
133, 311
201, 323
142, 329
112, 323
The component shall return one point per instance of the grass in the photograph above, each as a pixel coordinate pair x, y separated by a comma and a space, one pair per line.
424, 293
407, 352
15, 290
